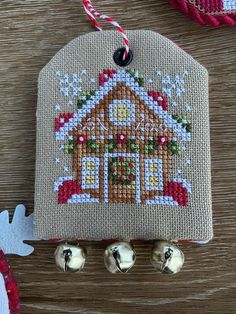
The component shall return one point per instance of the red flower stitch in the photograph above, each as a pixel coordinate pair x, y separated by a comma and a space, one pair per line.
121, 138
105, 76
123, 170
61, 120
122, 178
178, 192
162, 140
130, 164
121, 159
67, 189
131, 177
113, 169
81, 139
159, 98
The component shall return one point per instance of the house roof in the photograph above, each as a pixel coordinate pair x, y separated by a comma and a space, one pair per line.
125, 78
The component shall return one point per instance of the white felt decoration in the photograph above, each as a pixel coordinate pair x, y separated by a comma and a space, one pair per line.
4, 307
13, 234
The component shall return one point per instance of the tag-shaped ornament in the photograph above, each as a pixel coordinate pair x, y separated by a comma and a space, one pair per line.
123, 148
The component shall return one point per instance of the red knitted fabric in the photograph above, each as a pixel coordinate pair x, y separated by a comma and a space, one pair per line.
10, 283
208, 12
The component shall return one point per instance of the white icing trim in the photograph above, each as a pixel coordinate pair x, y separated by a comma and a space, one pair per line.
122, 76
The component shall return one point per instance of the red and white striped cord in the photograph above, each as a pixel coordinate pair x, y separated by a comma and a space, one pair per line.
93, 13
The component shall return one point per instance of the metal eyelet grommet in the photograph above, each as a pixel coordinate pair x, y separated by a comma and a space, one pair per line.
118, 57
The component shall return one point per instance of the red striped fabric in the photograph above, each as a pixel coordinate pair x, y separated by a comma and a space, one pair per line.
208, 12
93, 14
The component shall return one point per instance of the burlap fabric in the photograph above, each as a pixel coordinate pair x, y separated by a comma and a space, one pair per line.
183, 83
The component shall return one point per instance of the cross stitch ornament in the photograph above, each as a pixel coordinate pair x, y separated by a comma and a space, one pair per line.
123, 140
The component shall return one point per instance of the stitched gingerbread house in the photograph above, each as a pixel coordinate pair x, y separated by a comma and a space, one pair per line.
122, 141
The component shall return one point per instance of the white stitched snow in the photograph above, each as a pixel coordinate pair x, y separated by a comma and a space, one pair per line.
163, 200
124, 77
82, 198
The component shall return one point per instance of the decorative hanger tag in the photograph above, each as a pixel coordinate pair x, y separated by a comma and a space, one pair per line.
123, 149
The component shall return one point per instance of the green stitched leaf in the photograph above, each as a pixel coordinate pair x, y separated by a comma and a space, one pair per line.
179, 120
175, 116
85, 94
130, 142
112, 142
134, 148
188, 127
149, 149
173, 147
129, 171
93, 146
153, 143
70, 147
186, 124
137, 77
109, 148
140, 81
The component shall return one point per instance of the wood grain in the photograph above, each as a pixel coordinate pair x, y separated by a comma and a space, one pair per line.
31, 32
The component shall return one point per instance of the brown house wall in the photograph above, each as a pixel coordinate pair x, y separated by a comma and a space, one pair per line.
122, 92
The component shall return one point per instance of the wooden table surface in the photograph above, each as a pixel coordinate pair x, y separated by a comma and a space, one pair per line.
31, 32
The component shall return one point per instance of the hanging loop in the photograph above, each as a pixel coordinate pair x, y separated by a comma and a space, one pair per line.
93, 14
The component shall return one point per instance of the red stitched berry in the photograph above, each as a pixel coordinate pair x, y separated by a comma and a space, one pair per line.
122, 178
131, 177
121, 138
81, 139
123, 170
162, 140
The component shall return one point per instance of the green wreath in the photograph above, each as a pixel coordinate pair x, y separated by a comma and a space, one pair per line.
121, 170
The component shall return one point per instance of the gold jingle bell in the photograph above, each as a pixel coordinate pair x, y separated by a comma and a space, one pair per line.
167, 257
70, 258
119, 257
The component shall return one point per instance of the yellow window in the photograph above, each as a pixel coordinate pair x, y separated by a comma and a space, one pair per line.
153, 181
121, 112
89, 179
153, 168
90, 165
